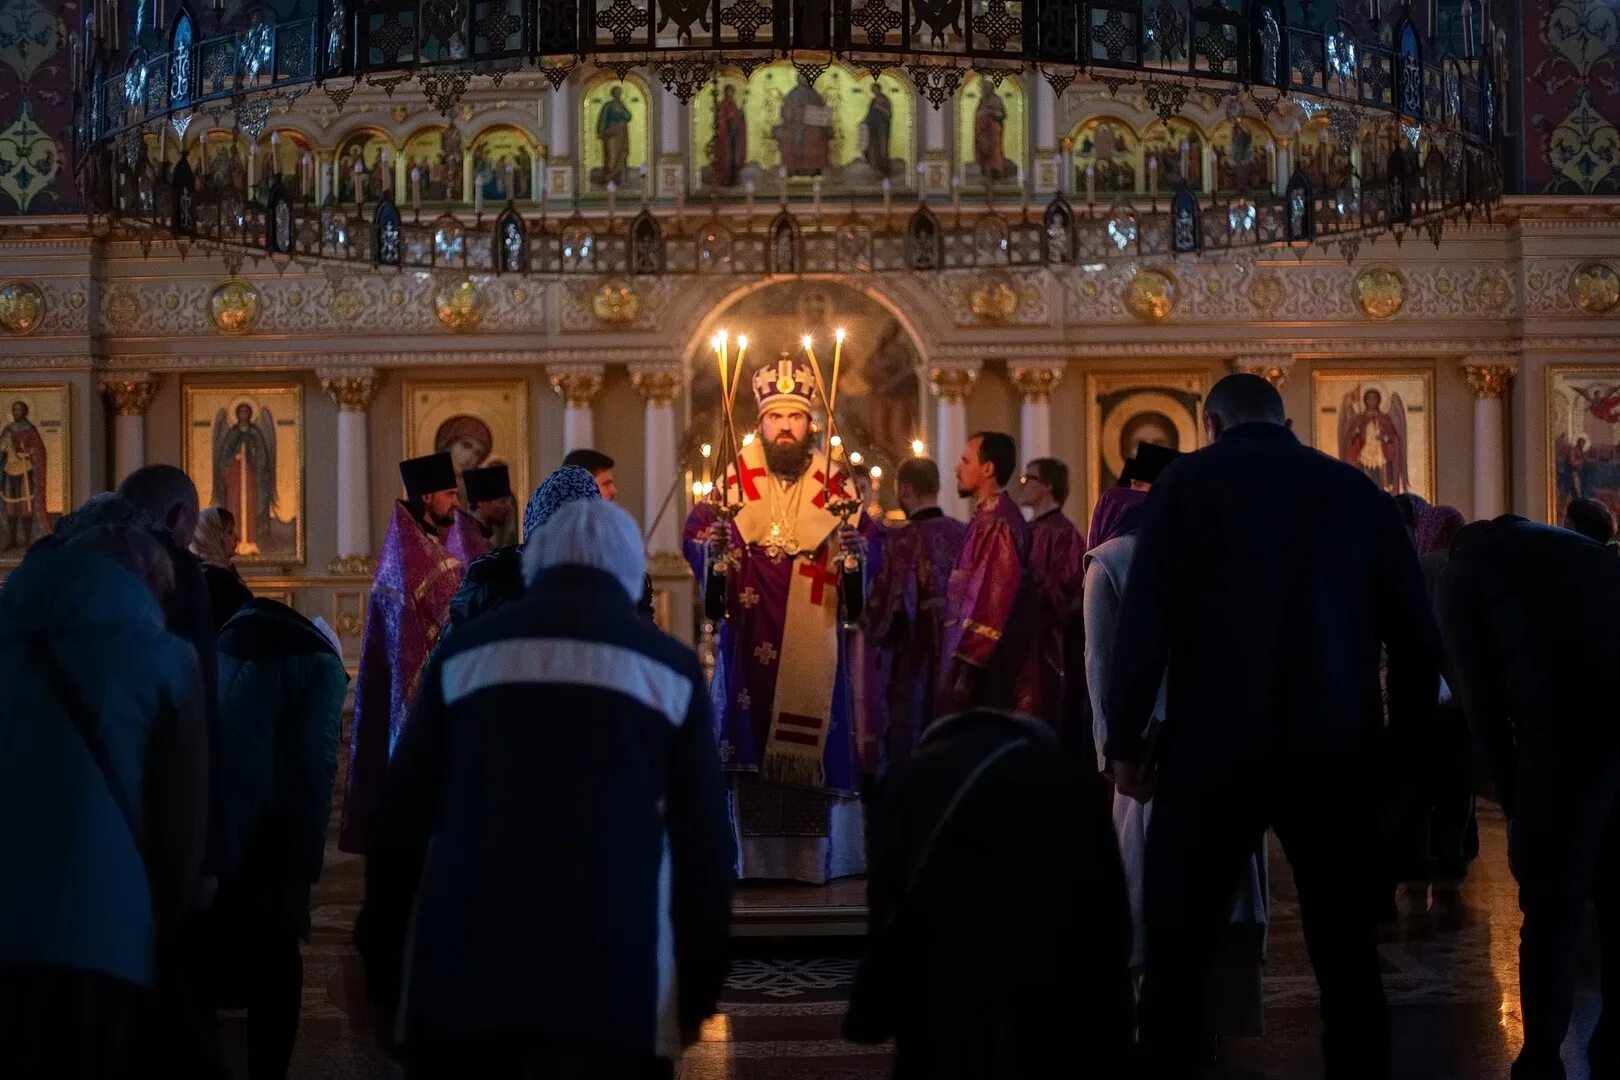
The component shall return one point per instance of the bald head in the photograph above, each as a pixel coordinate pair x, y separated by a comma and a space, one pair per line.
1242, 399
168, 495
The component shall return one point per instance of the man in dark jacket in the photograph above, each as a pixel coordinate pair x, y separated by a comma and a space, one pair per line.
1268, 577
553, 833
1528, 613
1000, 930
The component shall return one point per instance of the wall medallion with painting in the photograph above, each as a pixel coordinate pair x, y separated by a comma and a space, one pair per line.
36, 466
244, 449
1382, 422
1127, 409
477, 424
1583, 437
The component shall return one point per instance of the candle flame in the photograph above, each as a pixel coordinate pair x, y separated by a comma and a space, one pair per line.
805, 341
855, 458
838, 440
722, 336
742, 343
707, 450
877, 472
748, 439
838, 335
697, 487
917, 448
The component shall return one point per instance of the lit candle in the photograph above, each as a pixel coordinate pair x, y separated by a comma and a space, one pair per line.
1091, 183
742, 347
305, 172
416, 188
918, 448
1153, 175
387, 173
1271, 161
253, 165
838, 356
275, 152
1185, 149
359, 181
707, 451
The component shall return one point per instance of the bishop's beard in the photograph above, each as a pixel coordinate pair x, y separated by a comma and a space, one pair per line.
788, 460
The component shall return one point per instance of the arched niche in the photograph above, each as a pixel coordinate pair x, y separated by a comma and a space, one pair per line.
1241, 156
1112, 150
1326, 162
375, 154
615, 132
1176, 146
495, 149
435, 154
847, 129
291, 154
992, 125
881, 384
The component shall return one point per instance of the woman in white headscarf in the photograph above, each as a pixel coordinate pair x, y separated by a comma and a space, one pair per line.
214, 543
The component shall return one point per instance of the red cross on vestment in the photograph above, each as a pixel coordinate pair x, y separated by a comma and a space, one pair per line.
746, 477
797, 728
836, 487
820, 577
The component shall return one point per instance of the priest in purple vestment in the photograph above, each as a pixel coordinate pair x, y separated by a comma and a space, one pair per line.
410, 601
988, 604
782, 690
476, 529
905, 610
1056, 552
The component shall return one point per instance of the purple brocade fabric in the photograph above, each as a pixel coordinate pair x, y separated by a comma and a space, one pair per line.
1056, 554
410, 602
904, 620
1118, 512
465, 538
989, 607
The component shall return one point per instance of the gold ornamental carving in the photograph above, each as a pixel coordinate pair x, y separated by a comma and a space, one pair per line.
1595, 288
953, 384
1274, 372
657, 386
235, 307
351, 393
994, 300
1490, 382
1267, 292
1036, 383
459, 305
577, 388
22, 307
351, 566
346, 304
615, 303
1380, 292
129, 396
1151, 295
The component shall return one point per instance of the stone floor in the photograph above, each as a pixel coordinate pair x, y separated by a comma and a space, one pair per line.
1452, 991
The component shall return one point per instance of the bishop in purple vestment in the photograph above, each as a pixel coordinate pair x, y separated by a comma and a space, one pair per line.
905, 610
988, 606
410, 602
1056, 553
782, 689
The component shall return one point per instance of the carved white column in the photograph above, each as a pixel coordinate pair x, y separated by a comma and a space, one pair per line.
1490, 384
951, 384
351, 390
1044, 154
577, 386
1035, 383
560, 142
671, 177
664, 513
129, 394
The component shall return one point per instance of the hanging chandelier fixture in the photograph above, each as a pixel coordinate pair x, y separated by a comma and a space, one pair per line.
1420, 126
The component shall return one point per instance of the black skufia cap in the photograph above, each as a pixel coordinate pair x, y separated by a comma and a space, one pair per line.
487, 484
1151, 459
426, 475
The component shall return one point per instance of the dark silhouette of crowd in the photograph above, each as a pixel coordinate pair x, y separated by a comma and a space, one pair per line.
1067, 848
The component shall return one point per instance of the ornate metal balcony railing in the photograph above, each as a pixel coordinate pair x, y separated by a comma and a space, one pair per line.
1434, 155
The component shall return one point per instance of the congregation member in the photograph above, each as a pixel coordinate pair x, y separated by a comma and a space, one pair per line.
103, 800
1267, 581
1528, 614
410, 604
1591, 519
1055, 552
215, 543
475, 530
999, 928
785, 693
1235, 996
282, 686
905, 608
600, 466
547, 891
987, 607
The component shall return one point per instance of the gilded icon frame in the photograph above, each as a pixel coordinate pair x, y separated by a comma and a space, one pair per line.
56, 433
1328, 386
1557, 374
203, 403
500, 405
1117, 399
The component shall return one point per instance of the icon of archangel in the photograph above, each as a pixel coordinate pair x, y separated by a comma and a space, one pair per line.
245, 471
1373, 438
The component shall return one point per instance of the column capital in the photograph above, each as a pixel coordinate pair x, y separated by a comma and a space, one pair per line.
349, 388
353, 566
1273, 369
657, 383
130, 392
577, 384
1490, 381
953, 382
1037, 380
